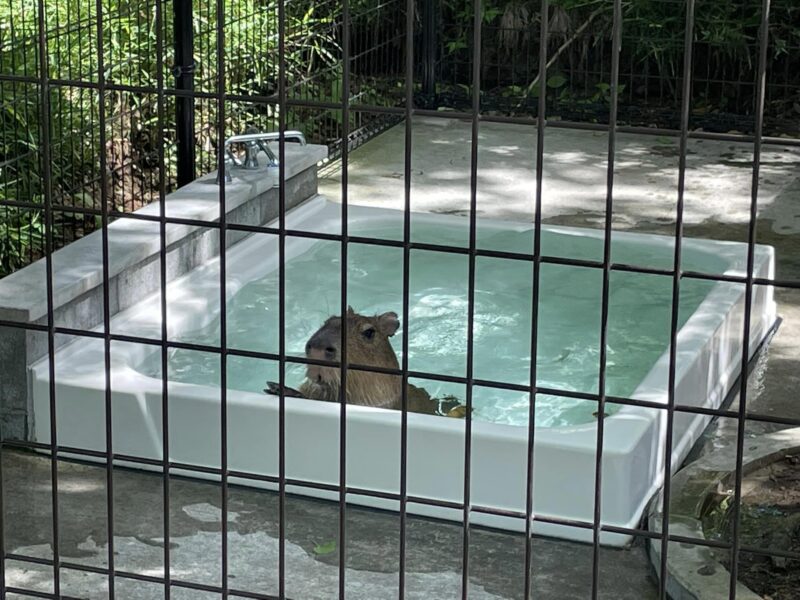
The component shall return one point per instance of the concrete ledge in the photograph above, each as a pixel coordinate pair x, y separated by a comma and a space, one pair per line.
134, 268
77, 267
693, 572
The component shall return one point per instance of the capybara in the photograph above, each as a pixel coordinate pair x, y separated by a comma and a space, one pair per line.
367, 345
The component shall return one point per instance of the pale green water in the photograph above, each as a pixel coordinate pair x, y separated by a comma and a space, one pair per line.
569, 319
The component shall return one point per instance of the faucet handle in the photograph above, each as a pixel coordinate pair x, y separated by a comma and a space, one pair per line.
254, 141
250, 155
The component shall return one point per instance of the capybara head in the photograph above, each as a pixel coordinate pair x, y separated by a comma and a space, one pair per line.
368, 345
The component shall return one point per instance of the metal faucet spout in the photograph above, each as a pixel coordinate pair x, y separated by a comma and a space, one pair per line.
253, 143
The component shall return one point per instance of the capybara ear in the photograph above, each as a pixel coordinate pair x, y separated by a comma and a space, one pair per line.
350, 311
388, 323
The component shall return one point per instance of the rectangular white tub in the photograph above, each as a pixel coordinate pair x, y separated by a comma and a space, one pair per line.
708, 361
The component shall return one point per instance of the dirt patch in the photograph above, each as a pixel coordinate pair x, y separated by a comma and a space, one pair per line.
770, 521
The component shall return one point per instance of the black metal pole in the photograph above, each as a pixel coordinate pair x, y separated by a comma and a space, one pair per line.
184, 81
428, 52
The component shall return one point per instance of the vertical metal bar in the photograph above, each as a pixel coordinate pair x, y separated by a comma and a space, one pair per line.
409, 106
223, 321
541, 123
760, 89
47, 190
282, 299
686, 100
101, 113
429, 44
477, 21
616, 44
343, 258
2, 521
184, 81
162, 252
2, 432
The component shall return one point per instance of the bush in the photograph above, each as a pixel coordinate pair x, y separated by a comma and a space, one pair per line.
133, 137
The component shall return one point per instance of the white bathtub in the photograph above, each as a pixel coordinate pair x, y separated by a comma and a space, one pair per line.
709, 358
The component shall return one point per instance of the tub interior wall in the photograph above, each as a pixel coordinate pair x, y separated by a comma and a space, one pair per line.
569, 309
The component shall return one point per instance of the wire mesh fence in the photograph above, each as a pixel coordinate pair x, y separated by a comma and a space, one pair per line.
129, 39
105, 145
579, 56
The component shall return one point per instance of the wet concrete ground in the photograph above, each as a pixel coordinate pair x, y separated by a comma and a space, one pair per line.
717, 202
434, 549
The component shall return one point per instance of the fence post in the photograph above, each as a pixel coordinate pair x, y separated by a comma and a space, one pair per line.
183, 71
428, 52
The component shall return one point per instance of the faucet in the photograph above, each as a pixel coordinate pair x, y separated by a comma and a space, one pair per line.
255, 141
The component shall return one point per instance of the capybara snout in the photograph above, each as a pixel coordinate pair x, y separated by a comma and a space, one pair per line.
324, 344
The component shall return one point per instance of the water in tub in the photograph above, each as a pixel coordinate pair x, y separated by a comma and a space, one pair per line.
568, 316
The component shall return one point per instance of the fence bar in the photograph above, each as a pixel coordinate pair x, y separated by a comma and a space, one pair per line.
408, 138
223, 311
282, 107
2, 520
162, 256
428, 51
345, 107
414, 374
686, 100
47, 188
763, 40
616, 46
104, 205
477, 21
541, 119
183, 71
425, 112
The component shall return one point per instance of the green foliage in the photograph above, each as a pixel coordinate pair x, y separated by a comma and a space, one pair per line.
133, 137
653, 32
326, 548
725, 35
21, 234
556, 81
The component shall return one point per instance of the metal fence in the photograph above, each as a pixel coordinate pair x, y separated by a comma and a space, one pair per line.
724, 65
223, 88
188, 39
579, 58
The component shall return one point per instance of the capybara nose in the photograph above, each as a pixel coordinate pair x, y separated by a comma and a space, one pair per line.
321, 345
321, 352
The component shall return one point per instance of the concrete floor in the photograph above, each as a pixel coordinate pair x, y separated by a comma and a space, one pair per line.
560, 570
717, 201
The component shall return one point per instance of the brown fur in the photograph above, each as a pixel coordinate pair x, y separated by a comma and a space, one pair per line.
366, 388
367, 345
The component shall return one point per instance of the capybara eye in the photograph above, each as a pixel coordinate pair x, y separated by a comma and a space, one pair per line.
368, 333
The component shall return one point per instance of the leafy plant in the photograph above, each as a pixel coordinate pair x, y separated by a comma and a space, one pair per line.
325, 548
134, 137
725, 49
21, 236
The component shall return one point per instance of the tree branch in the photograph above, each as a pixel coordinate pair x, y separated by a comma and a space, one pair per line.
560, 51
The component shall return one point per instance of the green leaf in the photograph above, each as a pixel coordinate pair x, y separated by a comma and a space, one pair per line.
490, 13
456, 45
326, 548
556, 81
